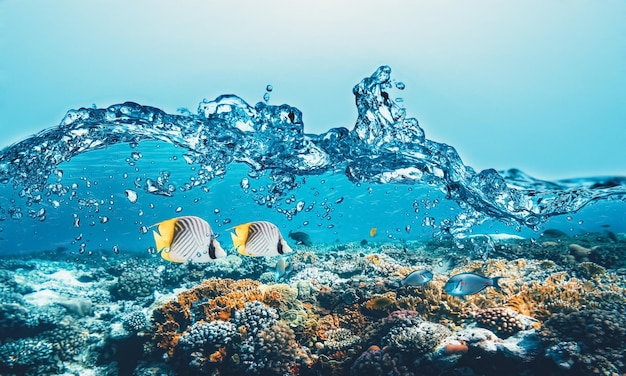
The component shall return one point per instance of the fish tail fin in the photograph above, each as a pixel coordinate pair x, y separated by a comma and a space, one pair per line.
240, 236
495, 282
163, 238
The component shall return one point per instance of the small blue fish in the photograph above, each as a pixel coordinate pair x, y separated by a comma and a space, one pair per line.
469, 283
283, 267
417, 277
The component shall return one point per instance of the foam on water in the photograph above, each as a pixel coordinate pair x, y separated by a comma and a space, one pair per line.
384, 149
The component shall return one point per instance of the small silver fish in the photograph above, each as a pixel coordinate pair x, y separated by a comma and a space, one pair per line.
283, 267
469, 283
417, 277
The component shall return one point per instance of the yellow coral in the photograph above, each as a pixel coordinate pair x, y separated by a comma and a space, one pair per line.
381, 303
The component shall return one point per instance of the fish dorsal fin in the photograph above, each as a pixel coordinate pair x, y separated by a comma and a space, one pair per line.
240, 236
163, 238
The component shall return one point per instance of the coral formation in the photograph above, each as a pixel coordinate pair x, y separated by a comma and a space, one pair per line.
135, 283
135, 321
590, 340
502, 321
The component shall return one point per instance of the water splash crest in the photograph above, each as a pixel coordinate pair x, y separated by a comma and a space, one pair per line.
385, 146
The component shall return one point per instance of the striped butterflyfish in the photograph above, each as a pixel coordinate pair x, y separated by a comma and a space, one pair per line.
259, 239
185, 239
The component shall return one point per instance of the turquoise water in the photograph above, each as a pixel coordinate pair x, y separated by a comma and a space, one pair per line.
230, 163
85, 292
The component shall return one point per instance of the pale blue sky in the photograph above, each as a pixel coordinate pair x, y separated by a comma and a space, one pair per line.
536, 85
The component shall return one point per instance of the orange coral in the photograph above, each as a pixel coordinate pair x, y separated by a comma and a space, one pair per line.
381, 303
456, 348
213, 299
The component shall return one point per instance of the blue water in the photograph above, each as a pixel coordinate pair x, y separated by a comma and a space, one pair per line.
72, 187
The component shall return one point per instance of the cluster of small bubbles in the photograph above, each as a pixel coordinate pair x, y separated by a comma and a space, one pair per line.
226, 221
430, 204
428, 222
37, 214
143, 229
266, 96
135, 155
151, 250
15, 212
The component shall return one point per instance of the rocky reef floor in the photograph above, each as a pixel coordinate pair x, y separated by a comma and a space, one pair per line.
341, 310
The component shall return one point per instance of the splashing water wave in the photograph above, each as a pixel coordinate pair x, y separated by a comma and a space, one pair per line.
384, 147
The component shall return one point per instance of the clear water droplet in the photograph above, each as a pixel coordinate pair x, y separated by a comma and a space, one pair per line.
400, 85
269, 88
131, 196
266, 97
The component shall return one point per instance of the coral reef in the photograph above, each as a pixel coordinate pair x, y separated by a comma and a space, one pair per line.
135, 283
591, 340
502, 321
342, 311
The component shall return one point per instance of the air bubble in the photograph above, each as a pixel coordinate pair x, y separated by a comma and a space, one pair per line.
300, 206
116, 249
179, 209
103, 219
269, 88
131, 196
266, 97
400, 85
